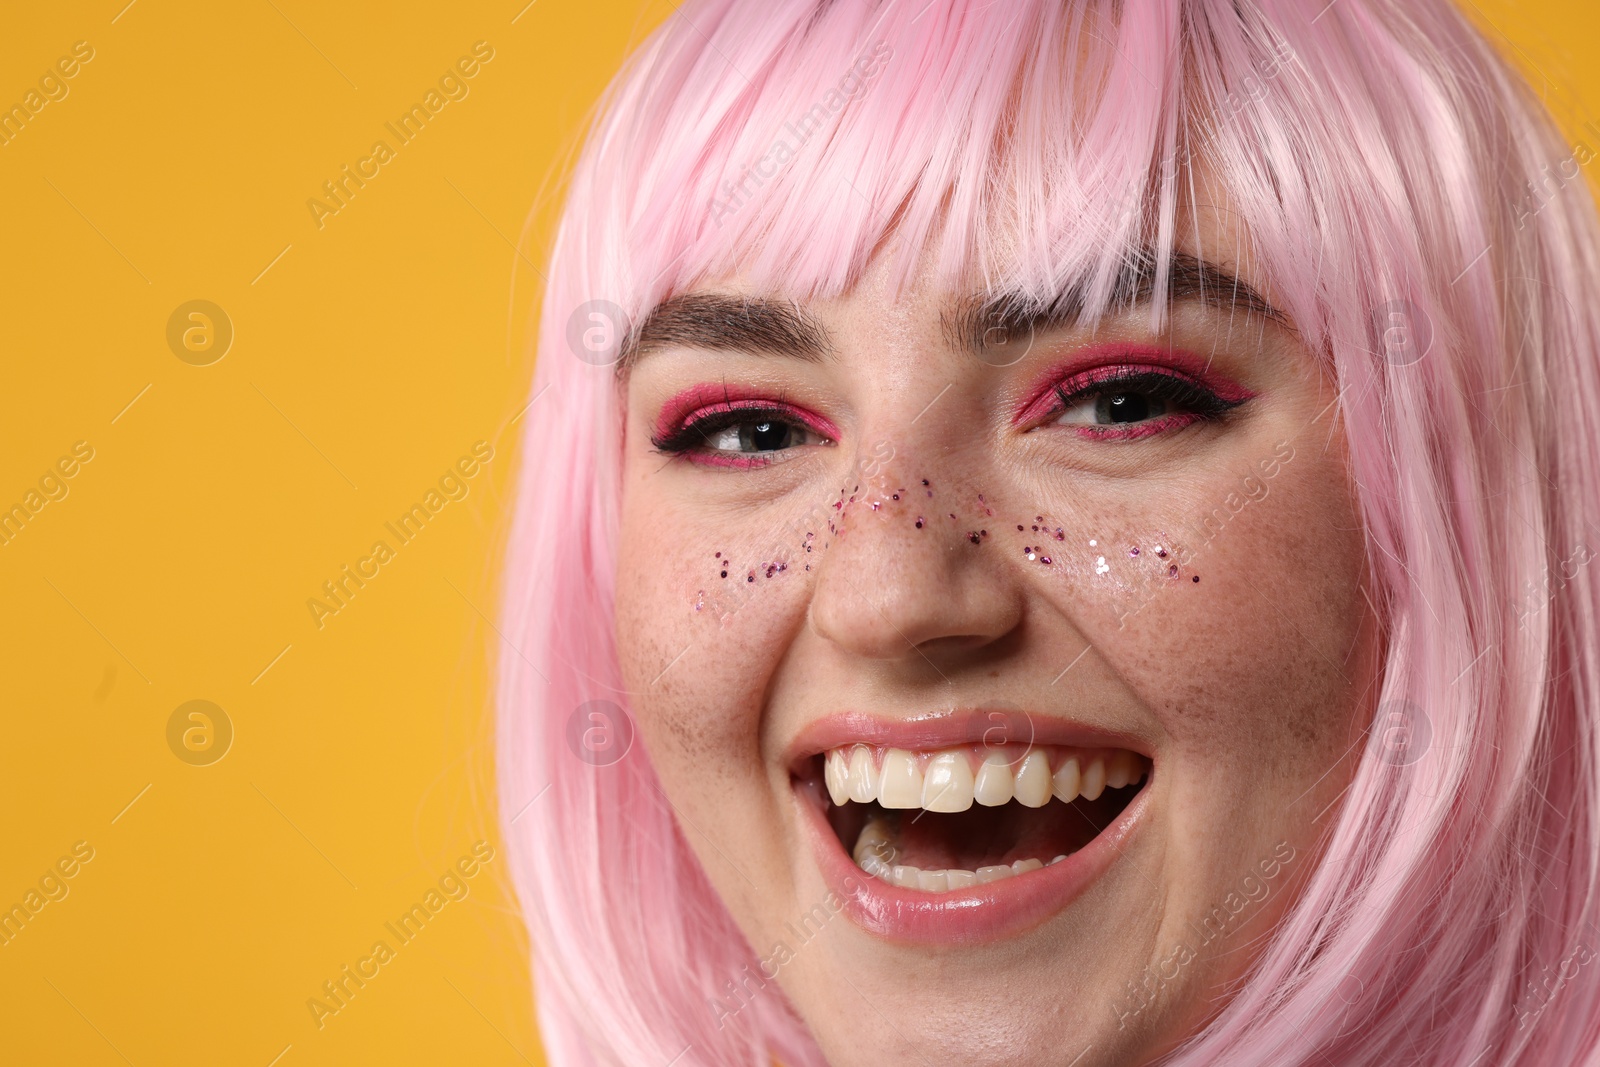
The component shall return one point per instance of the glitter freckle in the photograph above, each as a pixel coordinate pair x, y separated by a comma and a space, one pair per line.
1197, 577
1172, 571
724, 574
1134, 551
972, 537
919, 522
1045, 560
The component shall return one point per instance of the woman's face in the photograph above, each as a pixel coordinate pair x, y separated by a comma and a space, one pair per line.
916, 599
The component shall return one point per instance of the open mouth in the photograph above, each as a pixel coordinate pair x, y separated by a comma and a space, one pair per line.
947, 819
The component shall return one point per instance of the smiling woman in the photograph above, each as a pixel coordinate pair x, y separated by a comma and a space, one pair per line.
1059, 544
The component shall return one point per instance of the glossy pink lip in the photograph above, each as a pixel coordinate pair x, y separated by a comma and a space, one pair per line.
984, 913
1038, 397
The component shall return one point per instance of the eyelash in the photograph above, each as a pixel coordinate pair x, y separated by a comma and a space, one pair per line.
1202, 404
688, 439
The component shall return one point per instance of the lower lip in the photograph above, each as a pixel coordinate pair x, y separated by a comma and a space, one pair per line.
989, 912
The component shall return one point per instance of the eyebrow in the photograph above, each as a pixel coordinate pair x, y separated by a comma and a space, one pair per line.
728, 324
994, 320
718, 322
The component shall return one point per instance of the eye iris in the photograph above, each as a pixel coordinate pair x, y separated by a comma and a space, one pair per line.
1127, 407
768, 436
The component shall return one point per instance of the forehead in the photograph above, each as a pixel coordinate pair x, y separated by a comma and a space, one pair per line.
734, 316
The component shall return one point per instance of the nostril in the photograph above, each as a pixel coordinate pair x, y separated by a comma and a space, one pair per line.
897, 579
924, 612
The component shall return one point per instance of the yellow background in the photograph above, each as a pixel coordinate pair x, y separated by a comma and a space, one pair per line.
368, 355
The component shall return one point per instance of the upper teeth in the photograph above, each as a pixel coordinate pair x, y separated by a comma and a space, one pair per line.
951, 779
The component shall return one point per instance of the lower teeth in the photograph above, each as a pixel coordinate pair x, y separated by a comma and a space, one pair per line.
876, 855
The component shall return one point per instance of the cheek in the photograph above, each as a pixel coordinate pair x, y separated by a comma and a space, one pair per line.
704, 612
1233, 611
1258, 663
696, 681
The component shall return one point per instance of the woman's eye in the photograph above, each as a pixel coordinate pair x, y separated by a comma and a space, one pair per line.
740, 437
1135, 403
760, 435
1108, 409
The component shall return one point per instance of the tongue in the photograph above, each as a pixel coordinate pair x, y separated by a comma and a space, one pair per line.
983, 837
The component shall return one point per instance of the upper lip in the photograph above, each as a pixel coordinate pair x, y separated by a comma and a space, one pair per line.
988, 725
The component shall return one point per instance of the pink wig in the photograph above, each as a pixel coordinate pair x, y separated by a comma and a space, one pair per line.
1431, 236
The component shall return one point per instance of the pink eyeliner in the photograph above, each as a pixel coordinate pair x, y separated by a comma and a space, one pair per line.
1112, 358
700, 401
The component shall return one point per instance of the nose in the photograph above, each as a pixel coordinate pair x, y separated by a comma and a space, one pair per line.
913, 570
